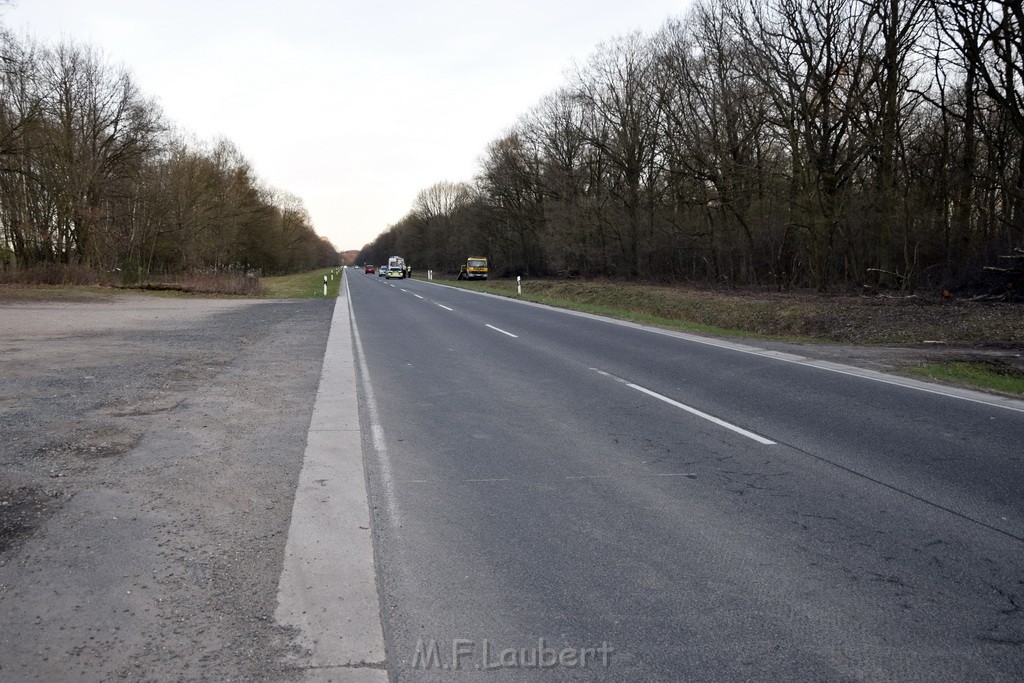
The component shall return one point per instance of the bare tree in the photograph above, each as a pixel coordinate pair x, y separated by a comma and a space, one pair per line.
435, 214
573, 236
811, 56
441, 199
22, 215
717, 140
897, 27
101, 130
800, 142
616, 88
511, 180
988, 36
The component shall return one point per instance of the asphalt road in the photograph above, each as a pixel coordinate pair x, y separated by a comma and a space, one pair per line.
562, 497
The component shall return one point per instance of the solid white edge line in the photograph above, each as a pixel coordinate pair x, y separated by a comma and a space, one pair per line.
693, 411
376, 430
958, 393
498, 329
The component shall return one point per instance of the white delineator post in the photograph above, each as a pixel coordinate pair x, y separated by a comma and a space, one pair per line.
519, 284
325, 285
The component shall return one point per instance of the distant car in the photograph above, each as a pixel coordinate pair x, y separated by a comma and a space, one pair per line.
382, 271
370, 269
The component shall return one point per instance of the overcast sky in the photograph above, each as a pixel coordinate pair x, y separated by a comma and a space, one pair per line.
352, 106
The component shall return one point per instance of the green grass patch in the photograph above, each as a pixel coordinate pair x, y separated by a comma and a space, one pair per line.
997, 377
308, 285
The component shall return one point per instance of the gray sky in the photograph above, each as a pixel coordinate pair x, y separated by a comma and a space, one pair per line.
352, 106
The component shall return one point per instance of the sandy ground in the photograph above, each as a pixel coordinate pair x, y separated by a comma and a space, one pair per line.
148, 462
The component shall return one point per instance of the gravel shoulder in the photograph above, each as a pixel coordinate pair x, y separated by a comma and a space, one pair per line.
150, 454
901, 359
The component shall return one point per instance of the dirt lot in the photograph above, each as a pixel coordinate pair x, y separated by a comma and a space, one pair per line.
149, 455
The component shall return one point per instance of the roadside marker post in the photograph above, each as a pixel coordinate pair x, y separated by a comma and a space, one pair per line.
519, 284
325, 285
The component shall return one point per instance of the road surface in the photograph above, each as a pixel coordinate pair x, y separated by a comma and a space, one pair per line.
569, 498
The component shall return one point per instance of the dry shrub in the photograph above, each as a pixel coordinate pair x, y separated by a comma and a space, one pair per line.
225, 283
231, 283
53, 274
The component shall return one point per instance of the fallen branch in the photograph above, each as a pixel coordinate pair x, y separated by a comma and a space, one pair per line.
886, 272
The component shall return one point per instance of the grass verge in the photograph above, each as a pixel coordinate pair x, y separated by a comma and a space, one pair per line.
790, 316
613, 300
996, 377
301, 285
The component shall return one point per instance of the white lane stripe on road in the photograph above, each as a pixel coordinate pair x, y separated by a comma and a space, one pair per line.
498, 329
693, 411
378, 437
376, 430
445, 307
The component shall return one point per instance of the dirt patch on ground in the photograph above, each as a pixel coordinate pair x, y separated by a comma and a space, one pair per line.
22, 510
150, 457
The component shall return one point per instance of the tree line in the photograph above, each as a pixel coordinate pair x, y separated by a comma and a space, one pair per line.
789, 143
92, 174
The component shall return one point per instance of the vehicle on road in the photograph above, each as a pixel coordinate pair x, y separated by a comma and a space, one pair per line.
396, 267
382, 271
475, 269
370, 269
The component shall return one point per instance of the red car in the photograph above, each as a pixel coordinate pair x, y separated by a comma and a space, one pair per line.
370, 269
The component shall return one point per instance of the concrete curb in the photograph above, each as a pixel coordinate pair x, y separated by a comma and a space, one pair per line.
328, 585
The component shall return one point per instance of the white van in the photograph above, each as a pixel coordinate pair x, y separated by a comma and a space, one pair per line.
396, 267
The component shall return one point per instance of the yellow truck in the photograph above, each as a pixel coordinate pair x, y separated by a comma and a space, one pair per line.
475, 269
